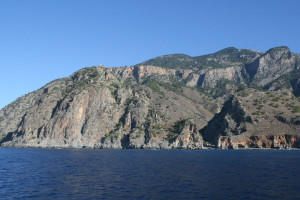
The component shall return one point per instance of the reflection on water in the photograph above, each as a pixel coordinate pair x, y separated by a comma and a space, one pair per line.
147, 174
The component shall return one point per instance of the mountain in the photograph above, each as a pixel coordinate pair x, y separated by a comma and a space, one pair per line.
234, 98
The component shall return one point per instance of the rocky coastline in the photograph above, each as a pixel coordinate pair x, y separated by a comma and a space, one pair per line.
231, 99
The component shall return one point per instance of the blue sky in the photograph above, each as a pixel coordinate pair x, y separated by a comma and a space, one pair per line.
41, 40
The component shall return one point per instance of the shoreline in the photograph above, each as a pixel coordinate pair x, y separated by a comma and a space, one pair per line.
202, 149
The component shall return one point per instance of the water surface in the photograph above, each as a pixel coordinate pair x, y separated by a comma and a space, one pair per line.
148, 174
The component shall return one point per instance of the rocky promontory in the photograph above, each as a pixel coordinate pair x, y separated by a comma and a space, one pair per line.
231, 99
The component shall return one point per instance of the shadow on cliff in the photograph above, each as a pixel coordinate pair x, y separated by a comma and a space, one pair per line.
7, 138
230, 121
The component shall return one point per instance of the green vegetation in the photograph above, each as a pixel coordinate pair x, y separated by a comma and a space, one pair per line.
175, 85
176, 129
154, 87
204, 62
112, 133
276, 99
183, 61
223, 86
107, 135
135, 136
114, 92
275, 49
293, 107
242, 92
178, 126
272, 104
88, 73
120, 125
256, 113
151, 126
287, 81
82, 79
232, 55
260, 107
116, 135
141, 128
129, 100
296, 109
257, 102
270, 95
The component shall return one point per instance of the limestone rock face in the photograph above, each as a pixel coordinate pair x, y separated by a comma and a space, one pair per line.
169, 102
229, 122
95, 109
189, 138
140, 72
262, 142
271, 65
245, 121
210, 78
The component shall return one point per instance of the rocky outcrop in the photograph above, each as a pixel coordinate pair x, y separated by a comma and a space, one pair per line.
262, 142
139, 72
12, 114
189, 137
211, 77
169, 102
68, 120
245, 121
271, 65
203, 78
95, 109
230, 121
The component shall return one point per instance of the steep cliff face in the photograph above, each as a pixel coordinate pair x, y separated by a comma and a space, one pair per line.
140, 72
173, 101
12, 114
67, 115
256, 119
211, 77
95, 109
262, 142
229, 122
271, 65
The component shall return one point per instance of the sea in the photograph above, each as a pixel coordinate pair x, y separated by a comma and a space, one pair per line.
149, 174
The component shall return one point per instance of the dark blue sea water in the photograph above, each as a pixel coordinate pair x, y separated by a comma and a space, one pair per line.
148, 174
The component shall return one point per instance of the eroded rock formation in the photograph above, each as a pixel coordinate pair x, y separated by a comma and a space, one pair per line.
173, 101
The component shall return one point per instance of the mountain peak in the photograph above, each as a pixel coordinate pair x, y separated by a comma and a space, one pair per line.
229, 49
171, 101
280, 48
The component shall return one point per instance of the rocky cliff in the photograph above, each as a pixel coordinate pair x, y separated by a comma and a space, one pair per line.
255, 119
271, 65
94, 108
234, 98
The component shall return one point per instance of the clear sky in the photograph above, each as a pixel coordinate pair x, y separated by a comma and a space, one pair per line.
42, 40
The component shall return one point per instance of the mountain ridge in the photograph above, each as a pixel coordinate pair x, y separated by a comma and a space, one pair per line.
179, 105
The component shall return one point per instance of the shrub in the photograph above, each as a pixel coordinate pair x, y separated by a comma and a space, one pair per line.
260, 107
154, 87
276, 99
296, 109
